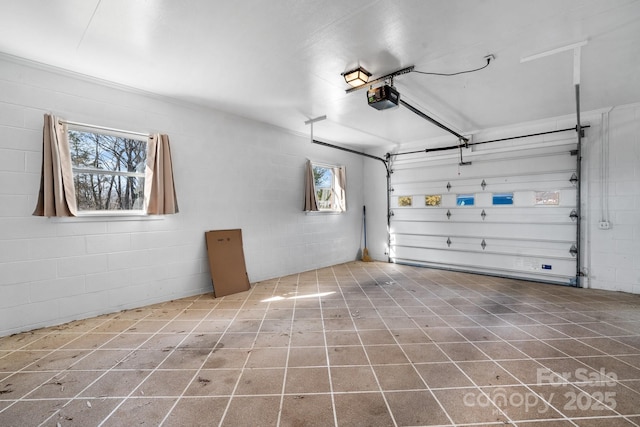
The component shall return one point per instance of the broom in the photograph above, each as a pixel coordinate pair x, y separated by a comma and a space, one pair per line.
365, 251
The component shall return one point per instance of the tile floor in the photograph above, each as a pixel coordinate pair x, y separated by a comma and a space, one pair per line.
358, 344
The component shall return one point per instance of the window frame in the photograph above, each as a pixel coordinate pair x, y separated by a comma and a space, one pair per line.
99, 130
332, 189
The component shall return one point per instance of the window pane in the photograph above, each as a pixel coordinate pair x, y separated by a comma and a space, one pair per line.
107, 152
465, 199
502, 198
547, 198
405, 200
433, 200
108, 192
323, 179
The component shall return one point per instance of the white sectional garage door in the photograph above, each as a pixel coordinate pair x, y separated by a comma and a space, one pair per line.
511, 212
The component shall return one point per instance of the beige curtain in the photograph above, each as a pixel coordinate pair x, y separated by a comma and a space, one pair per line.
57, 195
340, 185
310, 198
159, 188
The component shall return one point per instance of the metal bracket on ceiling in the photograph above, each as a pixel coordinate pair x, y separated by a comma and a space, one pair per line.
466, 145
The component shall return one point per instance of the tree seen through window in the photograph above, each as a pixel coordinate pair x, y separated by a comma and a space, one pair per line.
322, 179
108, 170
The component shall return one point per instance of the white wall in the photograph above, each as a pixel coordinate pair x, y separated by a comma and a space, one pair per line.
611, 258
613, 255
230, 172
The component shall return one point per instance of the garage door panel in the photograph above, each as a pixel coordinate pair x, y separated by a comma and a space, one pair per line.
502, 215
485, 169
518, 272
536, 248
543, 267
521, 199
516, 230
500, 183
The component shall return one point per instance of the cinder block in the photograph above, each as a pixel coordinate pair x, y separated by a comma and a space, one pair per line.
57, 288
81, 265
12, 160
26, 271
56, 247
108, 243
11, 115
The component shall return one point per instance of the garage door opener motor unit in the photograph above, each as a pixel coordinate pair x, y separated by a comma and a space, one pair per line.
383, 97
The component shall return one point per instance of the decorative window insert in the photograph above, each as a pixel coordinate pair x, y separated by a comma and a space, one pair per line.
433, 200
465, 199
547, 198
405, 201
108, 170
503, 198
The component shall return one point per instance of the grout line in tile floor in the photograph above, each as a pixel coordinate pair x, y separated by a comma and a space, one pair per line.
327, 360
394, 315
286, 365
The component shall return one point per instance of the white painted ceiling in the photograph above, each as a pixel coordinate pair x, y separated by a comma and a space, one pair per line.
280, 61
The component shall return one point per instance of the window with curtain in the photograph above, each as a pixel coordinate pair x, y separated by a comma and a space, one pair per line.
88, 169
108, 170
325, 188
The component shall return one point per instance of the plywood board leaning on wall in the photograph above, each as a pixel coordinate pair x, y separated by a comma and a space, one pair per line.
226, 262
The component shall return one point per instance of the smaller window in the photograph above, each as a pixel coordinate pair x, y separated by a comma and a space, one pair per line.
547, 198
329, 187
405, 200
465, 199
502, 198
433, 200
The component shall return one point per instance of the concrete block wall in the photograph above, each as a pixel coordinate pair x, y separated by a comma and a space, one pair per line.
613, 168
230, 172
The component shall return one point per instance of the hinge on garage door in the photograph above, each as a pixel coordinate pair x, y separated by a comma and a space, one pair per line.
448, 186
448, 214
483, 214
449, 241
483, 244
573, 250
574, 179
573, 215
